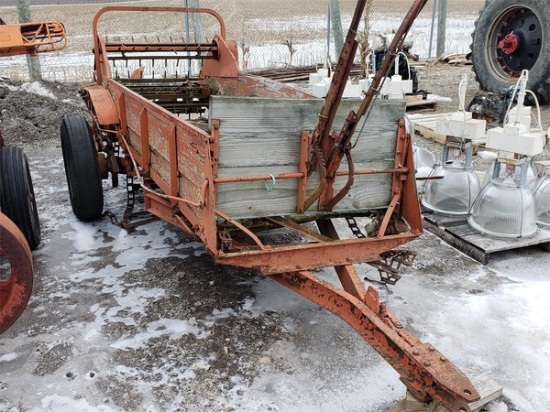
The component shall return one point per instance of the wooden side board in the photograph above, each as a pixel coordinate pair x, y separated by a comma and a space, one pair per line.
261, 136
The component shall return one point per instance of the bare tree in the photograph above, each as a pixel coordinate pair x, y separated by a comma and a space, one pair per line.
363, 38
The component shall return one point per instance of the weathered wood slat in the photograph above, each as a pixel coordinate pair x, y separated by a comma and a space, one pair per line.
424, 125
133, 111
159, 132
261, 131
243, 198
459, 244
422, 105
253, 198
261, 136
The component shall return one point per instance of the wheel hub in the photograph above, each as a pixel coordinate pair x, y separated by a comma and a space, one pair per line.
519, 41
510, 44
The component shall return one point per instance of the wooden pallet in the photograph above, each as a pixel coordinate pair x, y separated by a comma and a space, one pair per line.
420, 105
488, 389
425, 125
456, 231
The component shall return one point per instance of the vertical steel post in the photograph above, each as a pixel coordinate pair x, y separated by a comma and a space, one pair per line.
33, 62
441, 27
197, 21
336, 25
434, 6
327, 62
187, 35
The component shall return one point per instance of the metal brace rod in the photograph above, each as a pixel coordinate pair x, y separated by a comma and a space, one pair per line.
341, 143
337, 86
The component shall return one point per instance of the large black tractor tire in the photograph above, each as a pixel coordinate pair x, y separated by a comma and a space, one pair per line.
509, 37
81, 168
17, 199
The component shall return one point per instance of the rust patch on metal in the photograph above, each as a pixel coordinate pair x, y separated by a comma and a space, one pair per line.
17, 279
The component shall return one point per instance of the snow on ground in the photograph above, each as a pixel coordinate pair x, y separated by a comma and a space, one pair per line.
34, 87
146, 322
116, 324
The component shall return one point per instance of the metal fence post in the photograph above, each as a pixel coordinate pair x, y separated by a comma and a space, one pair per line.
441, 27
33, 62
327, 62
434, 5
336, 25
197, 21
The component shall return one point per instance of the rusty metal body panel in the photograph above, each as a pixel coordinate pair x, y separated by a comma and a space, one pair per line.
16, 287
178, 165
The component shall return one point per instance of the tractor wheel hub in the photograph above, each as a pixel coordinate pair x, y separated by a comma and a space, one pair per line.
509, 44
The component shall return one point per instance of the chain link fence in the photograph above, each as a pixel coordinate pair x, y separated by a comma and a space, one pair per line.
269, 33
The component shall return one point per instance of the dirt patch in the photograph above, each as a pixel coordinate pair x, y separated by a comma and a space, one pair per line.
31, 112
226, 352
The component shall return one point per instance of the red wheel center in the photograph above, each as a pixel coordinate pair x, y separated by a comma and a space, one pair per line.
509, 44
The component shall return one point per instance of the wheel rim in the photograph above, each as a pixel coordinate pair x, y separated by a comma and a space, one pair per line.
15, 273
516, 42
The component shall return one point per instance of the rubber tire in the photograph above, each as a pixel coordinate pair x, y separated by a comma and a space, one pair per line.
489, 74
17, 198
81, 168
